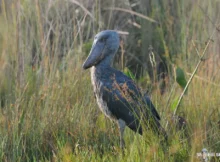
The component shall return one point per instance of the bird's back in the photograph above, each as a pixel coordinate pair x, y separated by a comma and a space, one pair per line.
119, 97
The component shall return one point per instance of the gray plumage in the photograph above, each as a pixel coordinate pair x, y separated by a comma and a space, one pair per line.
117, 95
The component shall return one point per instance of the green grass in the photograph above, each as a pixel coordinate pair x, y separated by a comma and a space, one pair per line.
47, 107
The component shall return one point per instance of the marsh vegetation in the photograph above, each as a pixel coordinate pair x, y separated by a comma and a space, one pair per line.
47, 107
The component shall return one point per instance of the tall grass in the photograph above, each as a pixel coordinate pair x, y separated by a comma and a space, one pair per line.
48, 111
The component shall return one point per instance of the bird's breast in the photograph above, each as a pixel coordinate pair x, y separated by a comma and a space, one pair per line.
98, 90
104, 108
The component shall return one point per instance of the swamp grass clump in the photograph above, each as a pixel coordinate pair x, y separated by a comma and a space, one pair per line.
47, 107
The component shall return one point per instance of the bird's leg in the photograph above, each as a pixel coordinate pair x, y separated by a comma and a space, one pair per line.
121, 125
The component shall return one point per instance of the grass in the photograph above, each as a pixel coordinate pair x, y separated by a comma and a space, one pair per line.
47, 107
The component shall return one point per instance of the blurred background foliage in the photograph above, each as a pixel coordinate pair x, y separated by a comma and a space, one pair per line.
169, 30
43, 44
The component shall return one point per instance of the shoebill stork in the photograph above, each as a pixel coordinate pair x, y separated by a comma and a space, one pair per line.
117, 95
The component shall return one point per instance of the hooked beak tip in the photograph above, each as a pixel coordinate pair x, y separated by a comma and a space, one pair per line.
87, 64
85, 67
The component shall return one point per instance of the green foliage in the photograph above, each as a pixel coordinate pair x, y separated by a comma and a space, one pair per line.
48, 111
174, 103
180, 77
129, 73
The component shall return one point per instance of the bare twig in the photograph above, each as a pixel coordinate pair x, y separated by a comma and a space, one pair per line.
216, 25
122, 32
201, 78
84, 9
197, 51
133, 13
194, 72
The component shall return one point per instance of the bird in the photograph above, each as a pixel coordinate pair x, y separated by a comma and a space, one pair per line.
117, 95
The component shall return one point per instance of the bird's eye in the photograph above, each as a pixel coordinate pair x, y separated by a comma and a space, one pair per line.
102, 39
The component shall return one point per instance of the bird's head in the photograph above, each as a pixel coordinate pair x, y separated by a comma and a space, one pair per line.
104, 46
